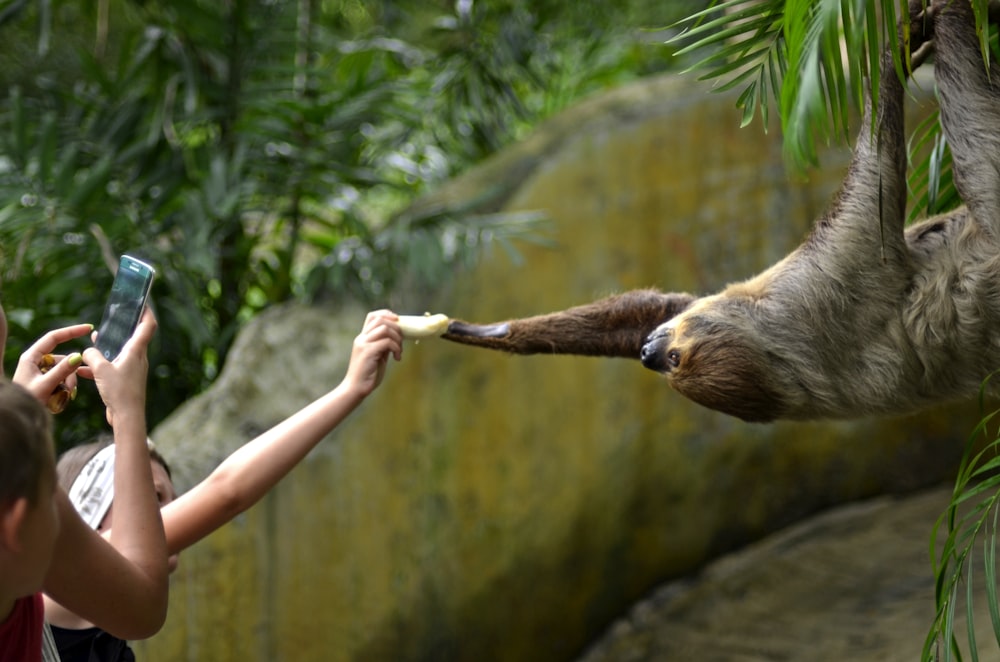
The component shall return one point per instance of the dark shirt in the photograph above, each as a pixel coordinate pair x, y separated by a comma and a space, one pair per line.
91, 645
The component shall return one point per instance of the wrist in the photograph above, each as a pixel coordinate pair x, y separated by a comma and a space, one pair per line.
351, 391
129, 424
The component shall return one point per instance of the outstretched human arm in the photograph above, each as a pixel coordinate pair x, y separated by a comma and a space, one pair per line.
120, 587
245, 477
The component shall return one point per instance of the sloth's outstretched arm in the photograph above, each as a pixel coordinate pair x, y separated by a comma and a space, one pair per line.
619, 325
970, 111
615, 326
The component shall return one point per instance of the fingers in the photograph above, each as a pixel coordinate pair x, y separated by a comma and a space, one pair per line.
51, 377
63, 372
379, 317
381, 330
380, 336
57, 385
143, 334
136, 344
148, 317
93, 359
52, 380
61, 368
47, 343
121, 383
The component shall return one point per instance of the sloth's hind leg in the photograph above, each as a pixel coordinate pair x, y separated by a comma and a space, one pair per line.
970, 110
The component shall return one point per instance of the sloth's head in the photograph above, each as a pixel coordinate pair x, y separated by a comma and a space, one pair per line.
713, 354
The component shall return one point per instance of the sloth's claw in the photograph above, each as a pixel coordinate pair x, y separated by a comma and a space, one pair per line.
460, 328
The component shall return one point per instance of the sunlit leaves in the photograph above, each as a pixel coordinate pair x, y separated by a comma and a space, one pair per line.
259, 150
813, 59
742, 44
930, 179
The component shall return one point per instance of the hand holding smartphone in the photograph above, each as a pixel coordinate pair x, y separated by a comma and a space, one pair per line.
126, 302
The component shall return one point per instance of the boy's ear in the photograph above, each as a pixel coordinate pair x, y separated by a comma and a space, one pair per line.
11, 520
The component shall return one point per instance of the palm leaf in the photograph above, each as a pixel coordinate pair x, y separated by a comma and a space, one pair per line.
929, 180
831, 47
990, 567
744, 44
970, 516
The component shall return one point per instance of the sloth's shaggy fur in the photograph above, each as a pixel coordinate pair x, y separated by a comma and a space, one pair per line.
864, 317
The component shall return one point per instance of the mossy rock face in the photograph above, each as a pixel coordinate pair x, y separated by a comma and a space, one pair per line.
852, 583
486, 507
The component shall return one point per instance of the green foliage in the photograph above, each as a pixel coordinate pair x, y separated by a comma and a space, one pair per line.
968, 524
815, 61
930, 178
257, 151
759, 44
745, 43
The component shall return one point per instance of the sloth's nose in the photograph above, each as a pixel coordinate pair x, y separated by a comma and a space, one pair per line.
651, 356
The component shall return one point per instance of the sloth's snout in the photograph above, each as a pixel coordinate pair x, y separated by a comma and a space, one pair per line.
653, 355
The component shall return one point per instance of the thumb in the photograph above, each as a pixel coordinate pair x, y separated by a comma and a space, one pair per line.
93, 357
144, 330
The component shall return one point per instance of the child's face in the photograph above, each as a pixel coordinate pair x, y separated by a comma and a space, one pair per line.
165, 493
39, 530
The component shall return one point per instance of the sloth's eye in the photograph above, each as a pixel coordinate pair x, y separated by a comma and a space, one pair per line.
674, 358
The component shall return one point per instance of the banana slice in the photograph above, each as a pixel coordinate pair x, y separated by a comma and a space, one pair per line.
423, 326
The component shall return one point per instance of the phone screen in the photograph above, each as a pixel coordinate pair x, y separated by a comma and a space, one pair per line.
125, 304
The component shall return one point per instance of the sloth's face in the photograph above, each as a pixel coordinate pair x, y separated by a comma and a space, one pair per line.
711, 354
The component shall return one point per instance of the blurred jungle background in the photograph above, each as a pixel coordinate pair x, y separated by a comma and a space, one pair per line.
258, 151
343, 155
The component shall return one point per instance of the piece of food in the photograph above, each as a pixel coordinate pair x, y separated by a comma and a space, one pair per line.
423, 326
61, 395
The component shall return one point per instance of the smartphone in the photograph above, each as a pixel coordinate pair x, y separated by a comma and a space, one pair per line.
126, 302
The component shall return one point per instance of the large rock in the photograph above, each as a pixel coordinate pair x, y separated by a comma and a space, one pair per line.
486, 507
854, 583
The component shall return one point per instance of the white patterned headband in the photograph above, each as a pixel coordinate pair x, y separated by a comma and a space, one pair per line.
93, 490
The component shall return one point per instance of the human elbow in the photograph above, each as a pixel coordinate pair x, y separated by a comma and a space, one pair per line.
143, 621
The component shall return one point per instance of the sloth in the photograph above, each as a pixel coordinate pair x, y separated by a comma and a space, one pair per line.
865, 317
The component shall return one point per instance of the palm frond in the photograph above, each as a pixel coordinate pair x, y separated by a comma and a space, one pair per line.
744, 44
815, 59
969, 522
834, 47
930, 179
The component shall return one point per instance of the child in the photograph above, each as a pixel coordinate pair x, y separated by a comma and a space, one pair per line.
29, 523
240, 481
44, 545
